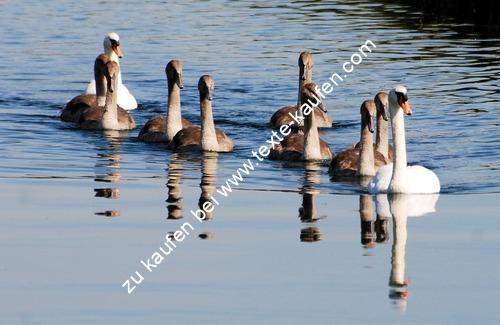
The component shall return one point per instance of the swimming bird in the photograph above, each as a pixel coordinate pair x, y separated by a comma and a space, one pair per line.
208, 137
382, 139
74, 108
109, 116
399, 177
284, 115
163, 128
307, 146
113, 50
364, 161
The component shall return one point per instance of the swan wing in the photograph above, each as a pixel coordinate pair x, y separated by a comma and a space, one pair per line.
125, 99
422, 180
380, 182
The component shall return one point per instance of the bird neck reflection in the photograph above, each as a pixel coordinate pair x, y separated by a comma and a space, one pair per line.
308, 211
208, 179
174, 179
107, 169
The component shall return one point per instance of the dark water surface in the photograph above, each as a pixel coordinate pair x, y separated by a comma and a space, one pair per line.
81, 209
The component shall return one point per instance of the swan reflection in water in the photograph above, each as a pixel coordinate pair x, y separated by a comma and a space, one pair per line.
372, 230
208, 179
207, 185
174, 180
402, 206
107, 170
308, 212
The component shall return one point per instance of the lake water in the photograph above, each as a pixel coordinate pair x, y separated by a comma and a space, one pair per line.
81, 209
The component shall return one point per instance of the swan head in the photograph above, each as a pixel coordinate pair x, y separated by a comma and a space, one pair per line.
111, 43
382, 101
368, 112
173, 70
398, 97
111, 71
310, 94
206, 87
306, 64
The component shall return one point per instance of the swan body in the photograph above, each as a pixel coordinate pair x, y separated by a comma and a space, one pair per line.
419, 180
362, 160
109, 116
163, 128
207, 137
112, 49
125, 99
307, 146
399, 177
284, 115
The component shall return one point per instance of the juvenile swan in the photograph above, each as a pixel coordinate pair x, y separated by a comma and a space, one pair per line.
208, 137
113, 50
399, 177
164, 128
382, 139
307, 146
74, 108
109, 117
364, 161
284, 115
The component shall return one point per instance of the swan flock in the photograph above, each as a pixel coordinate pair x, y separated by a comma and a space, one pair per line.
106, 101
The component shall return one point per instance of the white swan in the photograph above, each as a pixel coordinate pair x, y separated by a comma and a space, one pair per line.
112, 49
399, 177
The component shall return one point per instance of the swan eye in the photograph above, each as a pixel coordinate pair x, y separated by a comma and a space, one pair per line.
114, 42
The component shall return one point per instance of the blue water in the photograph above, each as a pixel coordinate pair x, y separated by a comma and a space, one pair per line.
53, 177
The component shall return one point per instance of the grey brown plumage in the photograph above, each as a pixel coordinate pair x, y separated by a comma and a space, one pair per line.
154, 129
282, 116
293, 146
207, 137
190, 137
363, 160
345, 164
157, 129
109, 117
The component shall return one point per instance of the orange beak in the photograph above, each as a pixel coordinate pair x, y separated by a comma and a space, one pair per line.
405, 105
118, 51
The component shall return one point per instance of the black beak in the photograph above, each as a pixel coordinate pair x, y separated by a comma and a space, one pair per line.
371, 123
209, 95
322, 106
385, 113
179, 81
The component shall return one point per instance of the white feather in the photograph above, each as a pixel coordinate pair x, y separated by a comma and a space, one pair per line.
125, 99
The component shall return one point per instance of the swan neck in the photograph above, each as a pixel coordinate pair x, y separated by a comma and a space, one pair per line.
312, 149
100, 86
366, 163
382, 138
110, 115
400, 235
208, 135
174, 118
302, 83
398, 181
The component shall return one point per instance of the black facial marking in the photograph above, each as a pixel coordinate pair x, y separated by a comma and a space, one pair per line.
402, 96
